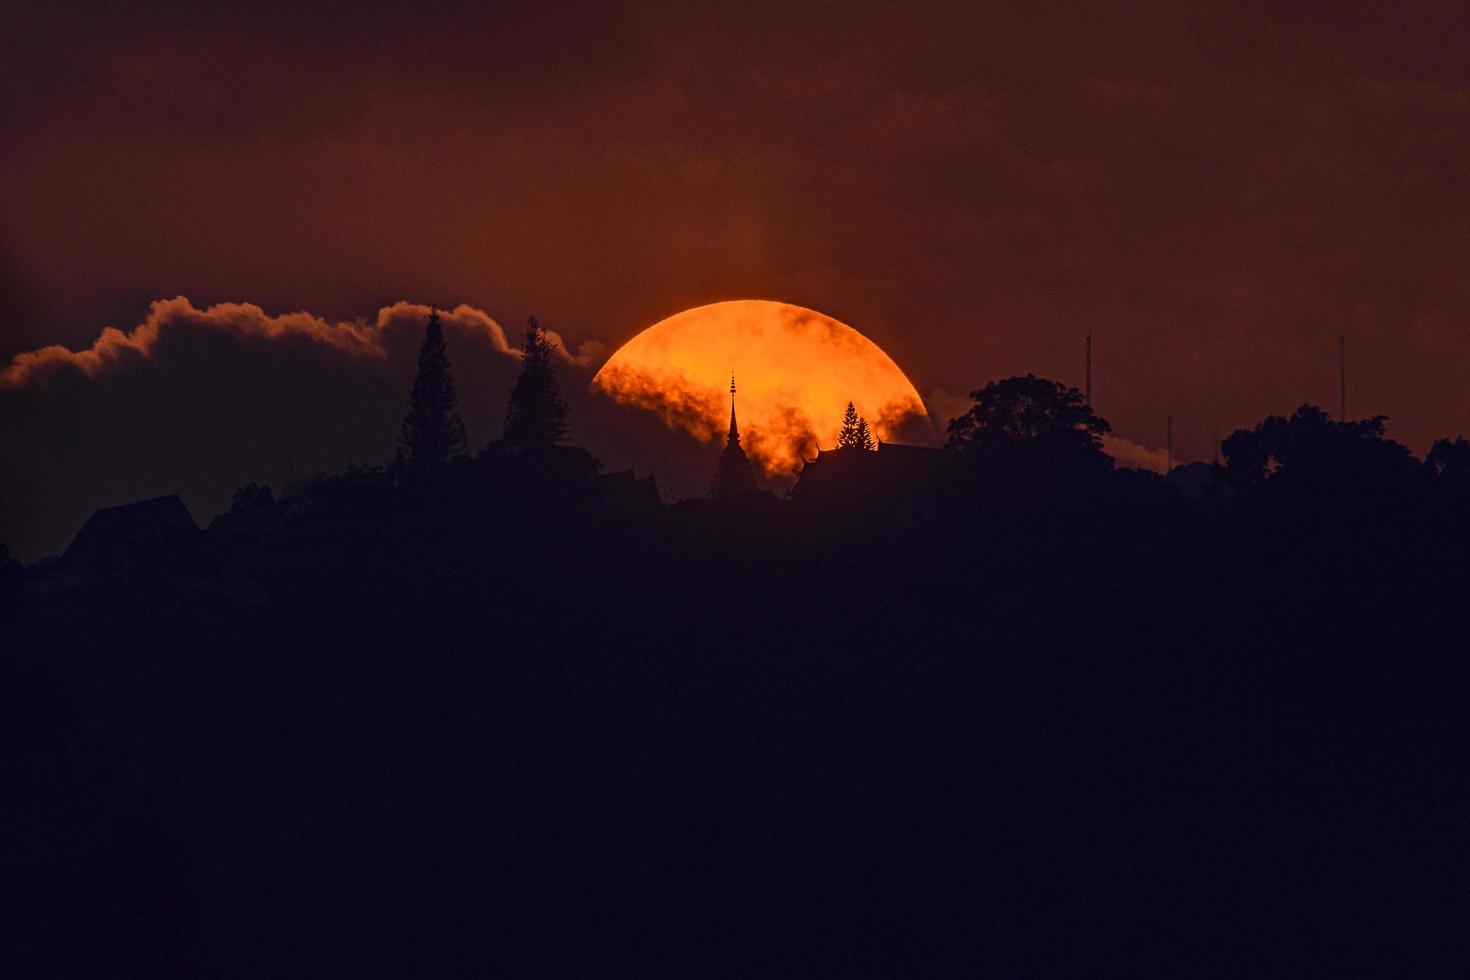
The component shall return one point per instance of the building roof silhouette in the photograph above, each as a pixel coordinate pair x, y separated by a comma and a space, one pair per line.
116, 537
902, 483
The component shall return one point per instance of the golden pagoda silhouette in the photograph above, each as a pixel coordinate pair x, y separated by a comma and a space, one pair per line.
733, 473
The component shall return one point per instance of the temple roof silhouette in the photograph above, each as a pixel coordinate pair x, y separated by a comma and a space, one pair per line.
115, 537
903, 483
888, 458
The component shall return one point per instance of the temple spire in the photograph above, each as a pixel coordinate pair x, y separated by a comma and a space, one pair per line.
733, 475
734, 437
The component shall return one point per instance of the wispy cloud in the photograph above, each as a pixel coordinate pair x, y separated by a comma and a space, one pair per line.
1126, 452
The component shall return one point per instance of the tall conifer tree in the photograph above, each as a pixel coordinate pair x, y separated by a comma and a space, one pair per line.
536, 416
855, 433
432, 433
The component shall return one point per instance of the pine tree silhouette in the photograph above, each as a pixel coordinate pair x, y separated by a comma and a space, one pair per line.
432, 433
855, 433
536, 415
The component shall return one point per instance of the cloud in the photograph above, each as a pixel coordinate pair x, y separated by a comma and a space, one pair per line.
1127, 453
590, 353
944, 406
668, 393
201, 400
114, 350
777, 443
777, 434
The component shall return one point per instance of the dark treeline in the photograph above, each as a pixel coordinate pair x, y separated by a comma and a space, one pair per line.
1002, 705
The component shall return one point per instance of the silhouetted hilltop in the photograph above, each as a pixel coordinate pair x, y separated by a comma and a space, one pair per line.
994, 703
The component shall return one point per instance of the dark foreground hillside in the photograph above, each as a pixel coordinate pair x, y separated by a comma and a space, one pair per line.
529, 726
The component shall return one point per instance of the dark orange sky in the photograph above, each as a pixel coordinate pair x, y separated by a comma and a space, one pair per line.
1215, 194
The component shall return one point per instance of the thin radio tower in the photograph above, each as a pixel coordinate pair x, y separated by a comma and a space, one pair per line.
1089, 370
1342, 377
1169, 441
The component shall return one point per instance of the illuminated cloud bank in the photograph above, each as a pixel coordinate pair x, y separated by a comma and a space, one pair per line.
113, 349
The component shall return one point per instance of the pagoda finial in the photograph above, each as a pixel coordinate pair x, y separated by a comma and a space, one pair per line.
734, 437
733, 475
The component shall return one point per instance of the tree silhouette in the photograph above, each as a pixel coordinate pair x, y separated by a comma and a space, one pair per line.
1312, 446
854, 433
1449, 460
1032, 422
10, 572
432, 433
536, 415
251, 496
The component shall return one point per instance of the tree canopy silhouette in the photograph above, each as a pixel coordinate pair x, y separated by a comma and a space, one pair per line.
536, 415
432, 433
251, 496
1031, 422
1311, 446
854, 433
1449, 460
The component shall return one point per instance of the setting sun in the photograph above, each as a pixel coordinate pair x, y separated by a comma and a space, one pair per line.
797, 369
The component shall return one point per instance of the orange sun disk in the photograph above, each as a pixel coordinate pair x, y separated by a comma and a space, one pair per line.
796, 368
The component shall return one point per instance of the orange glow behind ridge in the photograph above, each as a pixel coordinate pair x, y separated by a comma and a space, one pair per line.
796, 370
